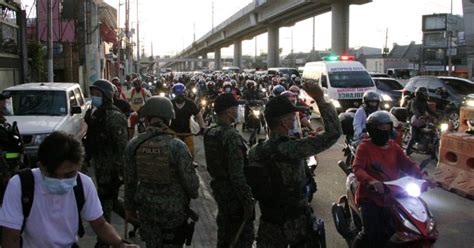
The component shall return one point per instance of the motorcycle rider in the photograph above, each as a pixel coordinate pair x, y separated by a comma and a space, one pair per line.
300, 103
250, 94
370, 104
121, 94
378, 159
418, 107
184, 109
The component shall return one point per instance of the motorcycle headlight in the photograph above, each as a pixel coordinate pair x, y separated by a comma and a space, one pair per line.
39, 138
164, 85
444, 127
386, 98
336, 104
203, 102
386, 106
256, 112
413, 190
173, 96
194, 90
264, 90
162, 94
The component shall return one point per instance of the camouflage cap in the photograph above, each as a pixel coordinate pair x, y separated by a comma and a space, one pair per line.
224, 102
279, 106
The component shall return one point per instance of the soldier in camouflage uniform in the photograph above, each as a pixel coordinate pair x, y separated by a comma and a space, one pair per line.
226, 155
287, 218
160, 179
105, 144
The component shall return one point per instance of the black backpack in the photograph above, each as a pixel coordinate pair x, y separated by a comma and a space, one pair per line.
27, 196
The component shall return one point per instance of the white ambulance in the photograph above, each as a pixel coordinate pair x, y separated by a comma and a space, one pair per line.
343, 80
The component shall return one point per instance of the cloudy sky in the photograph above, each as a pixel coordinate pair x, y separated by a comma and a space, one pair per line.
169, 24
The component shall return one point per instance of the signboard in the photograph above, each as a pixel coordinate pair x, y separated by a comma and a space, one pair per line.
351, 93
434, 67
434, 22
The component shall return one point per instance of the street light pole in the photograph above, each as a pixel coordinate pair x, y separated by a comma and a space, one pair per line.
50, 41
450, 40
138, 42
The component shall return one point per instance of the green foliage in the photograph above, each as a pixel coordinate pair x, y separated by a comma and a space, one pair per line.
37, 61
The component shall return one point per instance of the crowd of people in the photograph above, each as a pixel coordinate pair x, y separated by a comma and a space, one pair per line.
139, 136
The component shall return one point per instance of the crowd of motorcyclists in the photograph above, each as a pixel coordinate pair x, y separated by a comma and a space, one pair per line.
374, 141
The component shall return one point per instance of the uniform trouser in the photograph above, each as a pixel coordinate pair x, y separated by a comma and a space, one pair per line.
153, 235
297, 233
414, 137
230, 218
377, 228
109, 204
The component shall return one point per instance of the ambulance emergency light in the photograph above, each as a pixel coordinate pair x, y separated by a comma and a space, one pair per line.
338, 58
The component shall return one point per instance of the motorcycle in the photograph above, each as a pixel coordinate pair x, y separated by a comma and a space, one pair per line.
207, 110
428, 138
413, 222
255, 120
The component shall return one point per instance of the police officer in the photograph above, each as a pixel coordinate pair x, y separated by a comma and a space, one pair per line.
160, 179
286, 215
105, 143
225, 158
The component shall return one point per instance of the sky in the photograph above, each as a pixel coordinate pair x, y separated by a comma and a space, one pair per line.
172, 25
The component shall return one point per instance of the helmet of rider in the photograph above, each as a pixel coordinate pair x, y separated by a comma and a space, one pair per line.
250, 84
179, 89
421, 93
293, 77
371, 101
283, 80
227, 84
233, 82
158, 106
278, 89
105, 87
116, 93
379, 125
115, 81
290, 95
295, 89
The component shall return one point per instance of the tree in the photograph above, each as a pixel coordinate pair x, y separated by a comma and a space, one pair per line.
37, 61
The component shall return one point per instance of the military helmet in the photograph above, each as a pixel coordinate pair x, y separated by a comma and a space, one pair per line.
105, 87
158, 106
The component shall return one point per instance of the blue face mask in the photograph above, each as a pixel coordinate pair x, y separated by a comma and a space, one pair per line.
59, 186
96, 101
228, 90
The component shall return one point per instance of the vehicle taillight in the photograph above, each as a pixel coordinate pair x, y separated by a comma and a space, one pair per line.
404, 92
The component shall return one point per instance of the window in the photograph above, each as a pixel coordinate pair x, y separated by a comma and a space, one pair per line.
38, 102
79, 96
72, 99
423, 82
350, 79
388, 84
459, 87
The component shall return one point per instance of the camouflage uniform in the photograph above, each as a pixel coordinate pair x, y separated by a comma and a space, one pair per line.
225, 159
160, 181
106, 140
287, 219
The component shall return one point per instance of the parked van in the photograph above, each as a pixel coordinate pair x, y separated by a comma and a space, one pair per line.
343, 80
231, 69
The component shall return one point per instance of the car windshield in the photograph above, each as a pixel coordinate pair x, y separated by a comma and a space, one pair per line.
387, 85
460, 87
290, 72
39, 102
350, 79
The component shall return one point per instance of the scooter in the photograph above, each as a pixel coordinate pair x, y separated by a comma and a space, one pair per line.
255, 120
428, 139
414, 223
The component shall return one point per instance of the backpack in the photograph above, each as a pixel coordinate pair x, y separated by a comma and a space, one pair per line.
27, 196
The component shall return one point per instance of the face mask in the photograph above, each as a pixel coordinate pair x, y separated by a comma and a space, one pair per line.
380, 137
180, 99
96, 101
59, 186
228, 90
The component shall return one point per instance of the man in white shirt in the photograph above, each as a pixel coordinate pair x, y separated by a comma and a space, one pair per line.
53, 220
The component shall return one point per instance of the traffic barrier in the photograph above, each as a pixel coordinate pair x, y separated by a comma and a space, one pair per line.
455, 169
466, 113
445, 174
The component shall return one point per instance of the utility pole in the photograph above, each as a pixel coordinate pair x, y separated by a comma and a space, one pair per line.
293, 60
255, 57
50, 41
314, 38
450, 40
194, 31
138, 42
385, 47
127, 34
212, 16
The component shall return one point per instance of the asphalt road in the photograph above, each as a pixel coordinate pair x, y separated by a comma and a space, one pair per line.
454, 214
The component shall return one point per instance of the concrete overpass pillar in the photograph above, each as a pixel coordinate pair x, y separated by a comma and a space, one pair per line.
204, 63
273, 57
238, 53
217, 59
340, 26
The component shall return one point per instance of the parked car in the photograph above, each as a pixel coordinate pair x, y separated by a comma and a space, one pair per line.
447, 93
283, 71
391, 91
42, 108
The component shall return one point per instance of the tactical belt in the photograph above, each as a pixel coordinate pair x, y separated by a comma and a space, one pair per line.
279, 215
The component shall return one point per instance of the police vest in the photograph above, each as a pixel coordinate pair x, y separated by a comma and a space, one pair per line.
152, 161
